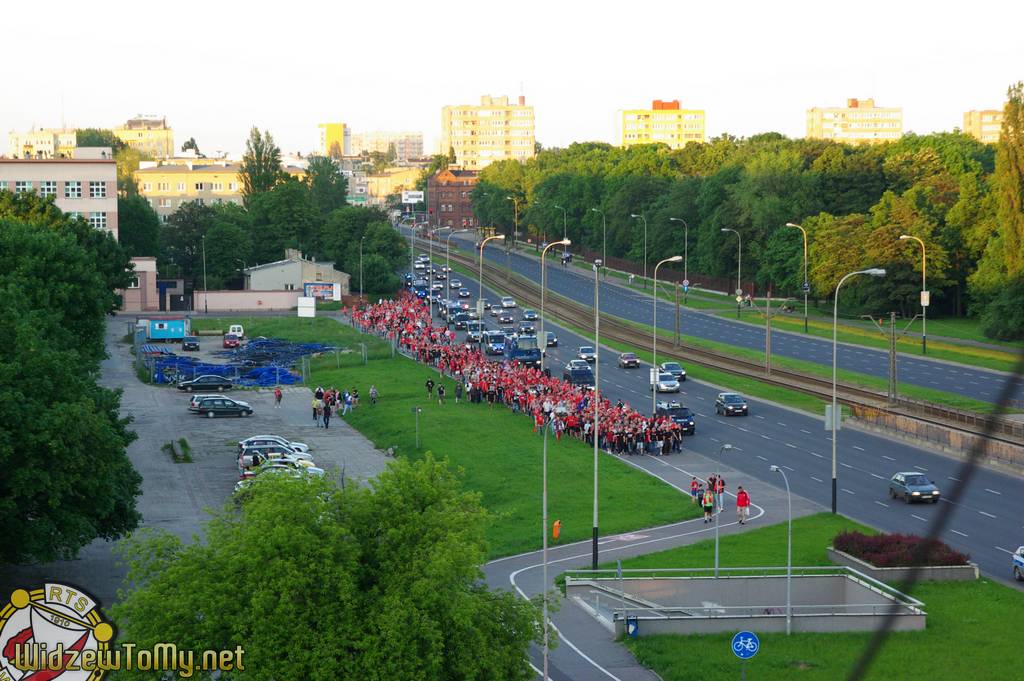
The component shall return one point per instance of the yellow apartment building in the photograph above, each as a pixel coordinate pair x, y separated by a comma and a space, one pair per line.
391, 181
335, 140
148, 134
493, 131
984, 126
42, 143
859, 122
664, 122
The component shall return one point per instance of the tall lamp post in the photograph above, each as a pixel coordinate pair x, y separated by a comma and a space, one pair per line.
447, 261
206, 291
719, 474
789, 553
924, 292
807, 284
543, 294
515, 208
565, 223
641, 217
480, 290
604, 240
361, 240
739, 269
833, 418
654, 368
544, 535
597, 396
686, 256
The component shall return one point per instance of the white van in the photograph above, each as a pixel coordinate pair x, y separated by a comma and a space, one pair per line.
237, 330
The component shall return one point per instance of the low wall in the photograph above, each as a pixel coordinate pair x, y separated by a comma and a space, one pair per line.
244, 301
892, 575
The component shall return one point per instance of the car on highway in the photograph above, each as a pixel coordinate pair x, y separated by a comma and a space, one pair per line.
913, 486
679, 414
629, 360
231, 340
530, 315
487, 303
527, 328
474, 331
460, 320
440, 275
436, 288
190, 343
508, 301
673, 368
256, 440
464, 293
220, 406
455, 283
506, 318
206, 382
578, 373
1018, 564
552, 339
419, 265
666, 383
731, 404
495, 311
587, 353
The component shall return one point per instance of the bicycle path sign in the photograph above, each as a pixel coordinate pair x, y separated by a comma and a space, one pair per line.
745, 645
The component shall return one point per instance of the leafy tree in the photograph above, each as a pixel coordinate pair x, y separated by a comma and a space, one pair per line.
1009, 182
1003, 318
229, 246
379, 277
191, 144
97, 137
261, 164
335, 151
284, 217
378, 582
181, 241
138, 226
328, 188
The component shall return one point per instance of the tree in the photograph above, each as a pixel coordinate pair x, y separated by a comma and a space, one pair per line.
328, 188
181, 241
97, 137
283, 217
335, 151
191, 144
228, 246
378, 582
1009, 182
261, 164
138, 226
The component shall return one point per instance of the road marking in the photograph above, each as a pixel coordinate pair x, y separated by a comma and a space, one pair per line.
925, 470
876, 475
817, 455
923, 520
805, 432
789, 469
780, 423
816, 479
845, 465
988, 515
758, 416
699, 397
958, 532
743, 429
715, 439
881, 504
993, 491
766, 437
847, 491
950, 477
860, 449
888, 457
761, 457
1000, 548
792, 446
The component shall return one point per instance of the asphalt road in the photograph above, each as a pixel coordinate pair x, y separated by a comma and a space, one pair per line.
988, 517
622, 302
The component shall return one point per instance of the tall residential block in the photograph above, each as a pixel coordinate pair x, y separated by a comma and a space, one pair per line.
664, 122
148, 134
407, 145
984, 126
859, 122
335, 140
493, 131
42, 143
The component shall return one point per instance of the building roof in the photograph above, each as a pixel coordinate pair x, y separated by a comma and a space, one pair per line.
288, 261
4, 159
179, 168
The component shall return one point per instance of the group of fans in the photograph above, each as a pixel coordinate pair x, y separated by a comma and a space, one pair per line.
566, 409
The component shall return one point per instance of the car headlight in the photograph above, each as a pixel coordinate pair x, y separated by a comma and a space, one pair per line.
915, 494
935, 492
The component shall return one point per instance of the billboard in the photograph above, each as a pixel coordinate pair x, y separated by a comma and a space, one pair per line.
412, 197
324, 290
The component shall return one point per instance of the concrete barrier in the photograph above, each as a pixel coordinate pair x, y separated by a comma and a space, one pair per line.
892, 575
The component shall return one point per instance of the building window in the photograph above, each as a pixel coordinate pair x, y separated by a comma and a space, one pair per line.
75, 215
97, 190
319, 276
289, 287
98, 220
218, 186
48, 188
232, 186
133, 282
22, 186
181, 186
162, 186
163, 218
147, 187
199, 186
164, 203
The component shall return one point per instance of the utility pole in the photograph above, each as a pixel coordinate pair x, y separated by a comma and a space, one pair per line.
892, 358
677, 315
768, 334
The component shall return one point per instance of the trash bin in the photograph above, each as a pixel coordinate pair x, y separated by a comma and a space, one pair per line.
632, 626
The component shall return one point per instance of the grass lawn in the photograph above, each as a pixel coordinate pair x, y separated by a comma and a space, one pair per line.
500, 456
316, 330
972, 631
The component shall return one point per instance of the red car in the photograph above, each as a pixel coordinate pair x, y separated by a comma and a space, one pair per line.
231, 341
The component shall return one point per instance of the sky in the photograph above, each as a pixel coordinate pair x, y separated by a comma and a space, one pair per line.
215, 69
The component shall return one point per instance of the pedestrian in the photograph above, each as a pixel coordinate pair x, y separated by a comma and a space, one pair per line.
458, 392
346, 403
373, 394
742, 505
720, 492
327, 415
316, 411
709, 504
430, 388
319, 392
277, 397
440, 394
355, 397
694, 486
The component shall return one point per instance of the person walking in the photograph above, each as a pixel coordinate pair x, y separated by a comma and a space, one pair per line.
720, 492
430, 388
694, 486
278, 395
346, 403
373, 394
708, 504
458, 391
742, 505
316, 411
440, 394
327, 414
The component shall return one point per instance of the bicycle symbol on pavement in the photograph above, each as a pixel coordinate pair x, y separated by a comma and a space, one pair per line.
745, 645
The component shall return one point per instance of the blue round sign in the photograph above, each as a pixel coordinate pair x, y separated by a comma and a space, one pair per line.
745, 645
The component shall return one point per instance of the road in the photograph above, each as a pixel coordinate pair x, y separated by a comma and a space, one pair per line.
980, 384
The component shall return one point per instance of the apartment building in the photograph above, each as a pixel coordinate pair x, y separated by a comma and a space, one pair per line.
335, 140
84, 185
391, 181
448, 198
407, 145
42, 143
984, 126
148, 134
859, 122
495, 130
664, 122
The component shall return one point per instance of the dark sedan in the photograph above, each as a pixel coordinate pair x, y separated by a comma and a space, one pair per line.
208, 382
221, 406
190, 343
730, 404
629, 360
913, 486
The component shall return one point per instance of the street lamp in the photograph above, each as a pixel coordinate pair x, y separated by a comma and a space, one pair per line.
361, 240
515, 207
654, 383
480, 291
597, 395
789, 553
565, 222
604, 240
833, 418
641, 217
544, 535
543, 294
924, 292
718, 474
447, 262
739, 269
206, 290
686, 256
807, 284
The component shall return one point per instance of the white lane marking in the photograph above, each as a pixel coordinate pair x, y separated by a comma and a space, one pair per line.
881, 504
860, 449
1000, 548
715, 439
845, 465
876, 475
743, 429
992, 491
988, 515
847, 491
817, 455
761, 457
780, 423
758, 416
816, 479
805, 432
950, 477
958, 532
924, 470
888, 457
791, 446
923, 520
766, 437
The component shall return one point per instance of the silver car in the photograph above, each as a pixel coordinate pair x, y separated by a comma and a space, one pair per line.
666, 383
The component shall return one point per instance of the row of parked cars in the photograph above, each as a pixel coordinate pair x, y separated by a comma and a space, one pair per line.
215, 404
273, 455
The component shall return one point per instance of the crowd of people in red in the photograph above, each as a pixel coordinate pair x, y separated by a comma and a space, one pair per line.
566, 409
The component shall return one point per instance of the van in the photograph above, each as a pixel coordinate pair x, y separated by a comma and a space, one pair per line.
237, 330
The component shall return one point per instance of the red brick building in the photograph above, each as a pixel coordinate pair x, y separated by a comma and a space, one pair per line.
448, 199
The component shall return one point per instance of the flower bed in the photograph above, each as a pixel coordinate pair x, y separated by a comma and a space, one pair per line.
898, 550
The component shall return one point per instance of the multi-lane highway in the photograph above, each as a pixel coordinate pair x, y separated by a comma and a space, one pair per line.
987, 522
622, 302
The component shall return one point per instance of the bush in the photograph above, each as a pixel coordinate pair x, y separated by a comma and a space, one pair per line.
1003, 318
898, 550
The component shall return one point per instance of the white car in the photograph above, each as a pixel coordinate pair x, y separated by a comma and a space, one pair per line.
272, 439
1018, 564
508, 301
666, 383
587, 353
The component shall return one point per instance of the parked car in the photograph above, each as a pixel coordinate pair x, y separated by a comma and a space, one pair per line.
666, 383
250, 457
913, 486
508, 301
552, 339
629, 360
257, 440
196, 399
206, 382
237, 330
1018, 564
530, 315
673, 368
231, 340
729, 404
464, 293
221, 406
587, 353
190, 343
276, 468
679, 414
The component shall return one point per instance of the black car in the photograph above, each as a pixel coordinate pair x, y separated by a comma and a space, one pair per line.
530, 315
552, 339
208, 382
190, 343
460, 320
679, 414
220, 406
580, 375
527, 328
730, 404
506, 318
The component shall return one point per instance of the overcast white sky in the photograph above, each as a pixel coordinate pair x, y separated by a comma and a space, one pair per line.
217, 67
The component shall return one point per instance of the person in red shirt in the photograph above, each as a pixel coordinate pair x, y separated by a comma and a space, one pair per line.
742, 505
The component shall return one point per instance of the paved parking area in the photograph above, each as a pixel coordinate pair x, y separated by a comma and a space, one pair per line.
176, 497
